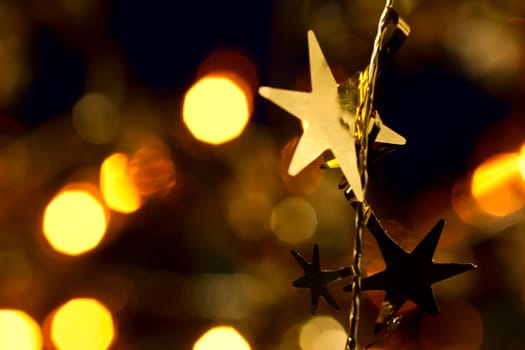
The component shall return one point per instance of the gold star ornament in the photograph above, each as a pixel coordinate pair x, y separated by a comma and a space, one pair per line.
329, 111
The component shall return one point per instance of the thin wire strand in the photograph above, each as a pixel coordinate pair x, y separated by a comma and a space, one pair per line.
363, 116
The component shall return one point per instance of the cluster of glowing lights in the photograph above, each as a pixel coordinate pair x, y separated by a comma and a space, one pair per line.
82, 324
74, 222
19, 331
117, 186
215, 110
222, 337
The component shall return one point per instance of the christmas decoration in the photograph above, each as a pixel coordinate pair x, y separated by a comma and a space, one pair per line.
317, 279
329, 111
408, 276
341, 117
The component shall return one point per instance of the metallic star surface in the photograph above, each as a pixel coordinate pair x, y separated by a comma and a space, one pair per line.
409, 276
317, 279
329, 112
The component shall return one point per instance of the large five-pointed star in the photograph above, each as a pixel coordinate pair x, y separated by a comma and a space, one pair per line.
330, 118
409, 276
317, 279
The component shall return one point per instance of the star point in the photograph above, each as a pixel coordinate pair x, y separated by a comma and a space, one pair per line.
330, 110
316, 279
409, 276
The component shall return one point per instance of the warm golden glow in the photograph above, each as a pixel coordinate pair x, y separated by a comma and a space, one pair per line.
82, 324
222, 337
522, 162
151, 168
493, 185
74, 222
249, 216
96, 119
293, 220
215, 110
458, 326
322, 333
19, 331
117, 186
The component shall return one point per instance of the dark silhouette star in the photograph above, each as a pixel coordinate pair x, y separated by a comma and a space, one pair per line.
408, 276
317, 279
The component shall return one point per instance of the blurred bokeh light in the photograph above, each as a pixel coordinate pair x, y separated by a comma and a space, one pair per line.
222, 337
293, 220
117, 186
522, 163
96, 118
74, 222
128, 98
82, 324
235, 66
18, 331
322, 333
151, 168
495, 185
215, 110
249, 216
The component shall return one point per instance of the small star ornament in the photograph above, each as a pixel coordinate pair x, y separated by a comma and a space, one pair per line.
329, 111
408, 276
316, 279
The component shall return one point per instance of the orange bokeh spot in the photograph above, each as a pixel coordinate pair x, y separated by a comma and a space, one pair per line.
152, 169
495, 185
74, 221
117, 186
522, 162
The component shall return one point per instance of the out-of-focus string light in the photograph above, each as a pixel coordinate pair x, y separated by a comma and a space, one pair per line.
235, 66
215, 110
322, 333
222, 337
522, 163
82, 324
95, 118
151, 168
293, 220
19, 331
117, 186
495, 193
495, 185
74, 221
